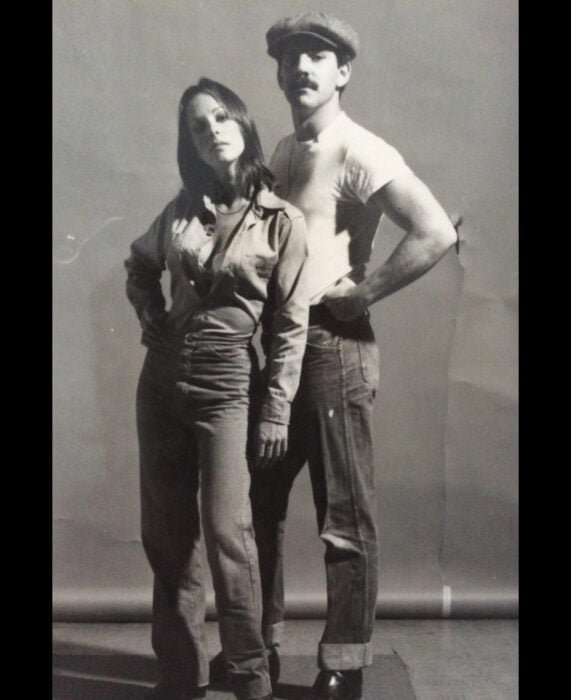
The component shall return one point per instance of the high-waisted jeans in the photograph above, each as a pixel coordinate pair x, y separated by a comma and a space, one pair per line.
192, 414
331, 430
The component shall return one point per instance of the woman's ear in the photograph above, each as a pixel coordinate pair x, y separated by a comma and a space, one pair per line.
281, 82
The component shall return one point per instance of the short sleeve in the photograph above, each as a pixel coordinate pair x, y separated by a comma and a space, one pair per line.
371, 163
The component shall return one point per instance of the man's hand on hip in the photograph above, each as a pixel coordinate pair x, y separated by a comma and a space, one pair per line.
344, 301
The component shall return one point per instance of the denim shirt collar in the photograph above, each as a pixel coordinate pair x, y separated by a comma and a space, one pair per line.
264, 203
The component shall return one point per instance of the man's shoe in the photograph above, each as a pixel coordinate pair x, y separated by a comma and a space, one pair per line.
164, 691
338, 685
217, 667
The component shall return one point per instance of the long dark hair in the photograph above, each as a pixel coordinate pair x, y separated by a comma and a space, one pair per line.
199, 178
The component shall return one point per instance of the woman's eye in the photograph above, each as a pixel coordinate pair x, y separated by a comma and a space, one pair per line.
221, 117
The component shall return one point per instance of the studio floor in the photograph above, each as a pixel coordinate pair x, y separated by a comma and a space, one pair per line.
412, 660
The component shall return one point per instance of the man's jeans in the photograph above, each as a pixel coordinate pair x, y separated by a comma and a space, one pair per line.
192, 433
331, 429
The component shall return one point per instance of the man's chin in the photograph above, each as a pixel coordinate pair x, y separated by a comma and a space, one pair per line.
301, 99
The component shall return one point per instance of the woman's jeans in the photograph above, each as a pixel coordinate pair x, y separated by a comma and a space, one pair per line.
193, 428
331, 430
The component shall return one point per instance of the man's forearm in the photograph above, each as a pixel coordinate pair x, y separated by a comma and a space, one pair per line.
429, 233
412, 258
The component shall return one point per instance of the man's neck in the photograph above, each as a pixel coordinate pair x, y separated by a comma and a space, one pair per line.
309, 126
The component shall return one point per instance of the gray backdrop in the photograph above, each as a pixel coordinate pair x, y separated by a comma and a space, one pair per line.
437, 79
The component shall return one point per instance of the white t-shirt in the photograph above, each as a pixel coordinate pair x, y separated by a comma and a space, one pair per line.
330, 178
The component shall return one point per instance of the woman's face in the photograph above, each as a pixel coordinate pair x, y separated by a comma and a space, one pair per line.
217, 138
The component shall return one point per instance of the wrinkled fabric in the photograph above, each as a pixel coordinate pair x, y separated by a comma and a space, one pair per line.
193, 440
262, 270
331, 429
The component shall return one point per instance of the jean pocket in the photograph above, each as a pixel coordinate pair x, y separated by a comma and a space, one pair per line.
319, 338
369, 357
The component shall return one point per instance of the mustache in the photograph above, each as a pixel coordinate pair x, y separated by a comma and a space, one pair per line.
298, 83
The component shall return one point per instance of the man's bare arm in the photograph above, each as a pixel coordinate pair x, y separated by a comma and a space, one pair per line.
429, 233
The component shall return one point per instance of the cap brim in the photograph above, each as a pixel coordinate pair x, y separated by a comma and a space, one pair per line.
279, 45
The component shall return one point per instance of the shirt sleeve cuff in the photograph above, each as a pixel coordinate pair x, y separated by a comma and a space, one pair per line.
276, 410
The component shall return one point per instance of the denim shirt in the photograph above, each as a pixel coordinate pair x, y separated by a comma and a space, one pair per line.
262, 272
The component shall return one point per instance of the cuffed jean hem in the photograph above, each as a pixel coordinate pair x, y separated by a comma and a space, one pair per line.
274, 634
256, 691
344, 657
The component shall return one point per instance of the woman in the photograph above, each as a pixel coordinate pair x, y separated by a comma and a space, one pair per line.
235, 253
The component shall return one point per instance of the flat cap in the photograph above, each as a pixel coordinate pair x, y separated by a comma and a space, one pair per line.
330, 29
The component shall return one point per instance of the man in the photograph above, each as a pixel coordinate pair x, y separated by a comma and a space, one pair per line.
343, 178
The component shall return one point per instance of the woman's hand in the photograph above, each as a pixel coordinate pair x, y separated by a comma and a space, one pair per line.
152, 325
153, 321
270, 443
